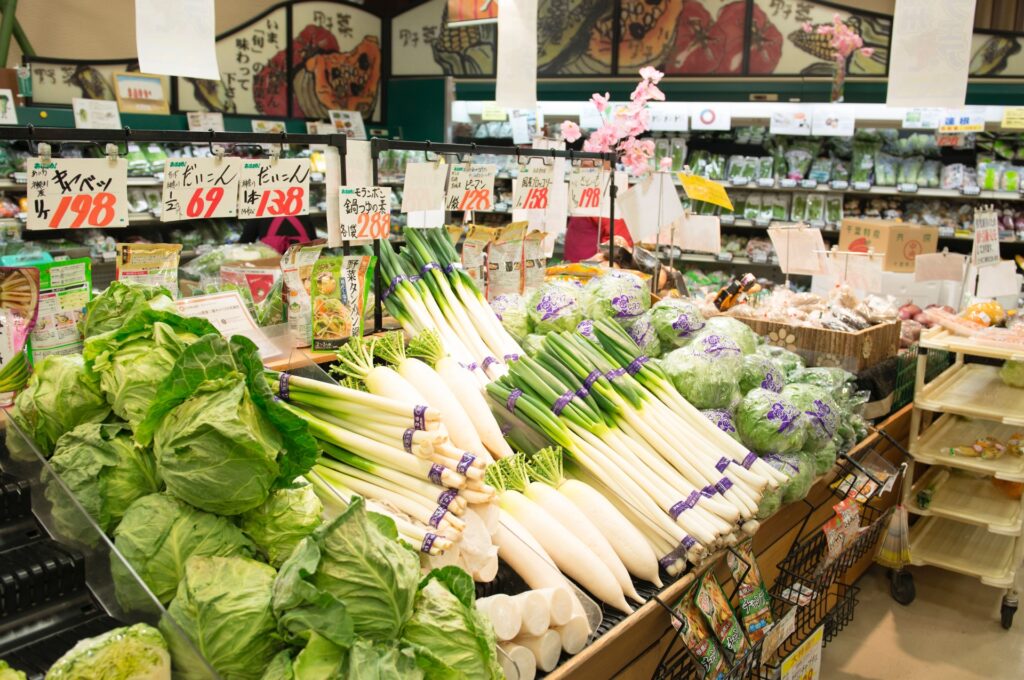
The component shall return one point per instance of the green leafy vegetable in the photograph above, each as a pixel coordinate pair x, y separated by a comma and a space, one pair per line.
376, 661
818, 410
60, 395
676, 321
282, 521
757, 370
223, 606
733, 329
511, 311
1012, 373
768, 422
706, 380
786, 361
645, 336
120, 301
157, 534
616, 295
8, 673
555, 306
131, 653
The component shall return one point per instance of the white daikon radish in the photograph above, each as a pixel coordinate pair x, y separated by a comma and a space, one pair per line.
560, 606
479, 554
522, 659
488, 512
503, 612
546, 648
355, 359
625, 539
574, 634
534, 614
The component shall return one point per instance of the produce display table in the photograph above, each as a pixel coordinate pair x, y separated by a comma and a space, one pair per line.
634, 647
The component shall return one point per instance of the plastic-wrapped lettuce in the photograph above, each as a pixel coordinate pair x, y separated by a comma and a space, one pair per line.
823, 457
511, 311
722, 418
758, 370
1012, 373
676, 321
137, 652
708, 380
787, 361
837, 381
819, 410
585, 329
617, 295
768, 422
799, 467
733, 329
555, 306
645, 336
771, 501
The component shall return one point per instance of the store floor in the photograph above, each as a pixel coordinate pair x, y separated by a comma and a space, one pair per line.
950, 632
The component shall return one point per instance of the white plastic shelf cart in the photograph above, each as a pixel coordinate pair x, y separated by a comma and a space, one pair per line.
968, 524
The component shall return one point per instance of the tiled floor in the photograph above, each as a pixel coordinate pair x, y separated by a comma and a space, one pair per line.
950, 632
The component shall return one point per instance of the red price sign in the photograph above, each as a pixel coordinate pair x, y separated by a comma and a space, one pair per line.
77, 193
365, 213
587, 188
475, 199
273, 188
471, 187
532, 187
204, 202
200, 188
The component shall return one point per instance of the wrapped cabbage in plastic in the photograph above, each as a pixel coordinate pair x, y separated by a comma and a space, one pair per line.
1012, 373
799, 467
819, 411
771, 501
824, 458
616, 295
734, 329
645, 336
511, 311
722, 418
768, 422
833, 379
676, 321
787, 361
708, 380
555, 306
758, 370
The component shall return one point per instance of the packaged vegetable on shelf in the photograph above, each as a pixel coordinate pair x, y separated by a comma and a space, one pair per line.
505, 261
535, 261
511, 312
770, 423
714, 605
555, 306
65, 289
695, 634
296, 275
475, 252
619, 295
338, 298
755, 605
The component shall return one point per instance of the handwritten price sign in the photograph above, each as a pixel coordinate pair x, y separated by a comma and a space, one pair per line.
271, 188
365, 213
471, 187
200, 188
587, 187
532, 187
77, 193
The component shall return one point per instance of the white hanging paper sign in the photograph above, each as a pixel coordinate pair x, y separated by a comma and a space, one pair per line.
531, 189
365, 213
358, 164
516, 82
668, 116
699, 233
520, 124
586, 186
348, 123
920, 118
197, 188
985, 251
649, 205
471, 187
77, 193
425, 219
204, 121
176, 38
858, 270
939, 267
228, 314
998, 280
791, 121
800, 250
423, 188
96, 114
832, 121
711, 117
270, 188
551, 221
930, 52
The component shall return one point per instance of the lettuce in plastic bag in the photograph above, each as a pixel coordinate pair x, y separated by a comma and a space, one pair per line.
616, 295
735, 330
787, 361
645, 336
722, 418
768, 422
511, 311
758, 370
708, 380
819, 411
555, 306
676, 321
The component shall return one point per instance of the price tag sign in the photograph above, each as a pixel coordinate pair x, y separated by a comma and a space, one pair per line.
808, 184
424, 186
985, 252
471, 187
840, 184
959, 122
907, 188
271, 188
229, 315
586, 189
77, 193
800, 250
787, 183
491, 111
1013, 118
365, 213
200, 188
202, 121
532, 187
698, 188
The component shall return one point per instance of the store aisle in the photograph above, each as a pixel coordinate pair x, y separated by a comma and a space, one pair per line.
950, 632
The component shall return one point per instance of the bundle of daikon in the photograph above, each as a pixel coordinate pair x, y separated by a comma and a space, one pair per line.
429, 290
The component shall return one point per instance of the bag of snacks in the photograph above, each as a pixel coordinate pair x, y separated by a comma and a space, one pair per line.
698, 639
754, 603
714, 605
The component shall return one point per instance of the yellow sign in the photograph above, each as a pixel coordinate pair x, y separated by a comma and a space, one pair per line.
1013, 118
805, 662
492, 111
698, 188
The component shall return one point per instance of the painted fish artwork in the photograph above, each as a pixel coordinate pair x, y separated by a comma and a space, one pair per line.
875, 32
992, 58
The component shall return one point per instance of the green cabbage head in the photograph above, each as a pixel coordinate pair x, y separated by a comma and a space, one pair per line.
555, 306
769, 422
676, 321
1012, 373
616, 295
706, 380
282, 521
511, 311
733, 329
131, 653
8, 673
645, 335
119, 302
819, 411
758, 370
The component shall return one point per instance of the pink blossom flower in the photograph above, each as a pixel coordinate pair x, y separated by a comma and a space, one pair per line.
807, 27
600, 102
665, 164
867, 51
571, 131
652, 74
636, 155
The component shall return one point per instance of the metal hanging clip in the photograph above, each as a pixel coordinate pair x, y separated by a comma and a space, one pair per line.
112, 152
44, 153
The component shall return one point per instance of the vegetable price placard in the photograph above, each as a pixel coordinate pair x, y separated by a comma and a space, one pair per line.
532, 187
586, 189
985, 252
273, 188
75, 193
200, 188
698, 188
471, 187
365, 213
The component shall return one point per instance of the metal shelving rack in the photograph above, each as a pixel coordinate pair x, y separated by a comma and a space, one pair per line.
968, 526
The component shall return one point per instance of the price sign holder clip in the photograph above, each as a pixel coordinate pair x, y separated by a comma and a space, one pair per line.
112, 152
45, 153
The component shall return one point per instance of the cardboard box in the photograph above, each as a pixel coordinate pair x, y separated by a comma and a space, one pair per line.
901, 242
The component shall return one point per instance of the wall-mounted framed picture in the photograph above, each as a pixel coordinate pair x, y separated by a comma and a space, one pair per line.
141, 93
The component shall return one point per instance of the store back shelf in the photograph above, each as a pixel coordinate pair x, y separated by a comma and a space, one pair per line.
940, 338
966, 498
976, 391
951, 430
966, 549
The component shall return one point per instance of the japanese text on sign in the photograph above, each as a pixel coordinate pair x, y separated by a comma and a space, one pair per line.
269, 188
197, 188
72, 193
586, 189
698, 188
532, 187
961, 121
365, 213
471, 187
986, 239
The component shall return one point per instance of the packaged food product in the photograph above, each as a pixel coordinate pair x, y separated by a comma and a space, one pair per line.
505, 262
338, 292
755, 609
714, 605
840, 531
296, 274
149, 264
534, 261
64, 290
698, 639
475, 253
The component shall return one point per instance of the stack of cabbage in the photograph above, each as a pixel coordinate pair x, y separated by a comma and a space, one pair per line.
170, 437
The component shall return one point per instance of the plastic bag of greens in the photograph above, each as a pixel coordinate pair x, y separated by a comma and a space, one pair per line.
821, 169
722, 418
832, 378
676, 321
765, 168
840, 170
617, 295
787, 361
555, 306
819, 411
930, 174
770, 503
823, 458
770, 423
885, 169
706, 380
909, 169
732, 329
799, 467
799, 209
645, 335
863, 161
757, 370
752, 207
798, 162
815, 208
137, 163
511, 311
834, 208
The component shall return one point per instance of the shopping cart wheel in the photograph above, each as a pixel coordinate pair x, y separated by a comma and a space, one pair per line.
901, 586
1007, 610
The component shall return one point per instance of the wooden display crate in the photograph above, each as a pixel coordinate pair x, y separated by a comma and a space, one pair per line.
853, 351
